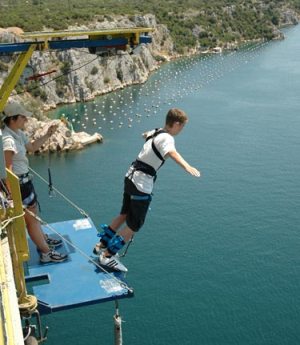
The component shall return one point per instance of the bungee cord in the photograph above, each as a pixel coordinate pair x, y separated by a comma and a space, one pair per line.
61, 194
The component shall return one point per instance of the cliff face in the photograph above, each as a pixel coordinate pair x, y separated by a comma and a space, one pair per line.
80, 76
288, 17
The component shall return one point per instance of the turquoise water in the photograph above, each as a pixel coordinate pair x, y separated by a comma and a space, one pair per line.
217, 261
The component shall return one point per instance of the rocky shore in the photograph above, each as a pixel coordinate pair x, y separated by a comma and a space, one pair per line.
64, 139
78, 76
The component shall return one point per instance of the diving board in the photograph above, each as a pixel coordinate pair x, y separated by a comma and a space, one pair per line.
77, 281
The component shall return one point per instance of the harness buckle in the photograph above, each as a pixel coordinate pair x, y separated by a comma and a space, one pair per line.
25, 178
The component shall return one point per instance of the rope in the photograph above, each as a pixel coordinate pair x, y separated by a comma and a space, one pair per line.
62, 195
121, 283
127, 247
5, 223
29, 305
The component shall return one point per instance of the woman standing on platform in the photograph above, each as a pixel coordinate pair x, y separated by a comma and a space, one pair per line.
15, 147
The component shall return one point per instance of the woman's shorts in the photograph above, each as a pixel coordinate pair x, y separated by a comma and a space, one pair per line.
29, 196
135, 205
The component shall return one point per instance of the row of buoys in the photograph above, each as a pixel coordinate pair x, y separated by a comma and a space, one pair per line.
171, 83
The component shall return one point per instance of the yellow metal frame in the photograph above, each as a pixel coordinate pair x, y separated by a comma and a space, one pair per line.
19, 252
132, 34
16, 212
60, 34
14, 75
17, 238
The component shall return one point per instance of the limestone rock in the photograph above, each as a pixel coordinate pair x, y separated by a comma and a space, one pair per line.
63, 139
289, 17
80, 76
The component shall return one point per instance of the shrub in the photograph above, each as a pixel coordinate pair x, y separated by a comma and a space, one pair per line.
94, 70
106, 80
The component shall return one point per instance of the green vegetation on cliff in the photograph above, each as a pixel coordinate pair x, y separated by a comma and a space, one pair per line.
210, 22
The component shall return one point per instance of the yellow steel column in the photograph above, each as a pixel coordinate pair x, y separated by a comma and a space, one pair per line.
19, 246
19, 222
14, 75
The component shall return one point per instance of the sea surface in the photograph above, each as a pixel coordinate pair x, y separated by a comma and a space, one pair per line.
218, 259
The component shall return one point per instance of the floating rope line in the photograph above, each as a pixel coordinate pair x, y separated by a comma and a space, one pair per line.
121, 283
61, 194
170, 84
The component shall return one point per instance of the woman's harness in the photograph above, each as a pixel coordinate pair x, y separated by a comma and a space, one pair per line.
24, 178
144, 167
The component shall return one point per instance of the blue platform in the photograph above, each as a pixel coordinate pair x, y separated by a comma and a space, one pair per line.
77, 281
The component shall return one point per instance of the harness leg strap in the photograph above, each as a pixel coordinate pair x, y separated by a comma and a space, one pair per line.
115, 244
106, 235
141, 197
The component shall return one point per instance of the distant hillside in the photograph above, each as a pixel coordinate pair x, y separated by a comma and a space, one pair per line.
180, 27
207, 23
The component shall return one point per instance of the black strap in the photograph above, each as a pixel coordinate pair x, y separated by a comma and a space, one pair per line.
154, 148
144, 167
23, 175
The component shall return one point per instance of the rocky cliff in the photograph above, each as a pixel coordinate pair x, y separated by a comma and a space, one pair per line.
80, 76
64, 139
77, 75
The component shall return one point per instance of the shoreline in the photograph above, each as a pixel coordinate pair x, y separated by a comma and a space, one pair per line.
167, 59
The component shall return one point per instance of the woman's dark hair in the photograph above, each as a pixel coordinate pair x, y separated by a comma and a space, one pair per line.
10, 118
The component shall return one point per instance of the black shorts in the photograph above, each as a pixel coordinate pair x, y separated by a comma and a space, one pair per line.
135, 205
29, 196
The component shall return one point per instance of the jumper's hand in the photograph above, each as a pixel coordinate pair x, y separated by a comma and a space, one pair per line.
176, 156
193, 171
